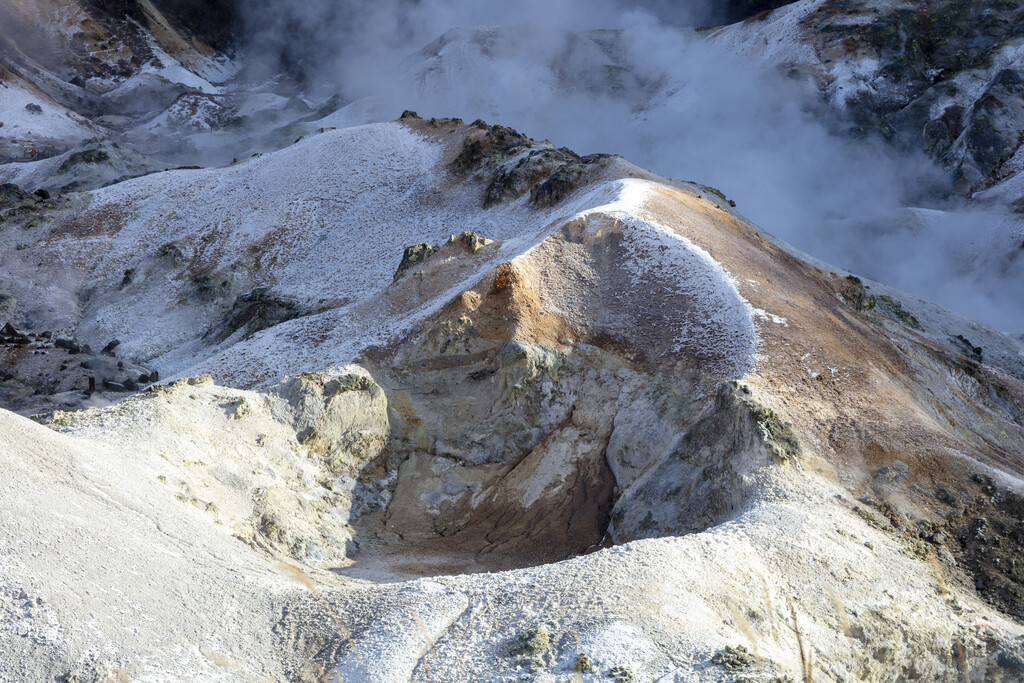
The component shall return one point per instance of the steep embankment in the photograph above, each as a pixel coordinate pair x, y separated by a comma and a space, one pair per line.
738, 446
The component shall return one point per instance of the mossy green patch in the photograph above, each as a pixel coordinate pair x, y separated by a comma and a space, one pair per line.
894, 309
531, 645
718, 193
867, 517
622, 675
733, 659
585, 665
89, 156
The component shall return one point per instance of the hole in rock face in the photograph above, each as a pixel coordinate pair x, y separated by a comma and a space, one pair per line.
550, 410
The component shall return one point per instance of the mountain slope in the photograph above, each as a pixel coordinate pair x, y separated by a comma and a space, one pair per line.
599, 363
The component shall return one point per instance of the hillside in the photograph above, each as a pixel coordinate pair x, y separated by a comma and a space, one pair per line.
599, 363
293, 392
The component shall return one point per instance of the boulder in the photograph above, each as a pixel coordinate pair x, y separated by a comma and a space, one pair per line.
341, 415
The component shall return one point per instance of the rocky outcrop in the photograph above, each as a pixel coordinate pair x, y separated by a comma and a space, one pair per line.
43, 373
511, 164
944, 78
707, 472
341, 417
213, 22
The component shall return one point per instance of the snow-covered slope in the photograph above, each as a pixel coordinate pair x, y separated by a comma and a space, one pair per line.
34, 124
607, 428
428, 400
94, 70
734, 110
304, 223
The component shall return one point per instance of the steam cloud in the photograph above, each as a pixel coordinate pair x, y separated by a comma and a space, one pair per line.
657, 92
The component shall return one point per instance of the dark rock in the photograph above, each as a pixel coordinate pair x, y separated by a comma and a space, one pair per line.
33, 108
944, 495
471, 241
921, 50
11, 195
108, 350
504, 183
114, 386
965, 346
414, 256
42, 194
557, 187
513, 164
214, 22
493, 147
257, 310
853, 293
89, 156
131, 384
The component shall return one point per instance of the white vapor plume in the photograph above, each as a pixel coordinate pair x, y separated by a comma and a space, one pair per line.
638, 80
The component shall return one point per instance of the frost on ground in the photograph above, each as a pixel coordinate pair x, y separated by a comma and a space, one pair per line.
604, 427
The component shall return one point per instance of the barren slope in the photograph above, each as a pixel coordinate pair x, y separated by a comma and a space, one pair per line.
671, 435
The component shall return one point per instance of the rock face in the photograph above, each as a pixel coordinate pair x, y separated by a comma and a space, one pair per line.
692, 454
344, 418
213, 22
944, 78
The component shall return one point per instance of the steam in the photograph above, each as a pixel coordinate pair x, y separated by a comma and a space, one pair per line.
650, 87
